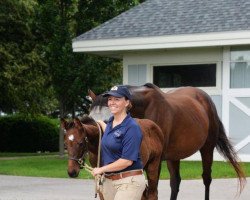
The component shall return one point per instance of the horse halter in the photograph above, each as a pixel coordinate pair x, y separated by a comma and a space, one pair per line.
81, 160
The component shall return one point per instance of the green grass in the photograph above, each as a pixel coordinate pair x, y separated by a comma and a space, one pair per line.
193, 170
54, 166
39, 166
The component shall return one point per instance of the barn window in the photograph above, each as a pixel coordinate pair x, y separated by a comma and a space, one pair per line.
197, 75
137, 74
240, 67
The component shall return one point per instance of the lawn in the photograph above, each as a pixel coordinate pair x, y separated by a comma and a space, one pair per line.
54, 166
39, 166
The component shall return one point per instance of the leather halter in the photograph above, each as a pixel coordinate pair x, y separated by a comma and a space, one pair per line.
81, 160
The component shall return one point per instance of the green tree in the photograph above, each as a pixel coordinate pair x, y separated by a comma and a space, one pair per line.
23, 74
98, 73
37, 66
59, 21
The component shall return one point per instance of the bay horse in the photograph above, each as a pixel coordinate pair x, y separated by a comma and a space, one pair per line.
189, 122
82, 136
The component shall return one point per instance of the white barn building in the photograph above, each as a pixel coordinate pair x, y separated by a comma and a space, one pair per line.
175, 43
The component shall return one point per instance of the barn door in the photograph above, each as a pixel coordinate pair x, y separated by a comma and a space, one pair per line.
236, 98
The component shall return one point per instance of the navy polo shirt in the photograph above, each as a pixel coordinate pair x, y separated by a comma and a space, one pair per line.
122, 141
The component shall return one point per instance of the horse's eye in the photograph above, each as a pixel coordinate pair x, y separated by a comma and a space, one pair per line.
80, 144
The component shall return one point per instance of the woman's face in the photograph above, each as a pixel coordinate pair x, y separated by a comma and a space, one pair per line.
117, 105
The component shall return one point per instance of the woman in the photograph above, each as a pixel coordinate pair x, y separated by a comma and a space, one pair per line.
121, 162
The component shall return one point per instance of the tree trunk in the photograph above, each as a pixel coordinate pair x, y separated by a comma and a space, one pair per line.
61, 132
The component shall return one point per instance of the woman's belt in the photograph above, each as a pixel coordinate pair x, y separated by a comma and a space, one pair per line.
121, 175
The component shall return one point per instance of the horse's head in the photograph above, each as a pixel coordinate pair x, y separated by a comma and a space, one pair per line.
75, 141
99, 109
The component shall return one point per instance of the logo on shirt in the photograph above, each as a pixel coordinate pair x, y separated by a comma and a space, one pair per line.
117, 133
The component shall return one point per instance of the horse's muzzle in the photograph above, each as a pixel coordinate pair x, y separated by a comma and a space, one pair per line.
73, 168
73, 173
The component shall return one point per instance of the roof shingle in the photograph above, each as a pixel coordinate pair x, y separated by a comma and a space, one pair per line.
175, 17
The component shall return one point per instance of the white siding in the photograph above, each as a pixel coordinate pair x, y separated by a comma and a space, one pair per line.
232, 110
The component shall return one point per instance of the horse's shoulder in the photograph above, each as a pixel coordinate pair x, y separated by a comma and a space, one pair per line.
188, 94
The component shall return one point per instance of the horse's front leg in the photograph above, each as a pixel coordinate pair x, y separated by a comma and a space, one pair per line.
175, 178
153, 173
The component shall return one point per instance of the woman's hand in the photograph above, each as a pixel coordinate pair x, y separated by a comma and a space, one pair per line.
118, 165
97, 171
102, 124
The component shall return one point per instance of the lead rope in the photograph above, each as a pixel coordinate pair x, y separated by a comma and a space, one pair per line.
98, 178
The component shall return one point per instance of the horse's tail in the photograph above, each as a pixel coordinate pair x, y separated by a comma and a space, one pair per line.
226, 149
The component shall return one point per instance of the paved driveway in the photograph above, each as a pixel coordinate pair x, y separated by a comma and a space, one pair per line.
30, 188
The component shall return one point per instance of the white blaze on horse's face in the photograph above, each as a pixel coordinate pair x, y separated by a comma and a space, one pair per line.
71, 138
100, 113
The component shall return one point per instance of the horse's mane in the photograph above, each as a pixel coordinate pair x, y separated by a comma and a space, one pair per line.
85, 119
153, 86
70, 124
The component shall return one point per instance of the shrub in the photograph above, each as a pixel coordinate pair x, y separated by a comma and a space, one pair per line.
28, 134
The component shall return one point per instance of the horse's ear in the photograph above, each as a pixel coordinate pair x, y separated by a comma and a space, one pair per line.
64, 123
91, 94
77, 122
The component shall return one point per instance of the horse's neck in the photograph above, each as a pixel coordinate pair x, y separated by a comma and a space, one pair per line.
93, 159
93, 135
146, 102
91, 130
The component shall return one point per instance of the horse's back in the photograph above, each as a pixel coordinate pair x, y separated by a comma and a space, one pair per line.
195, 93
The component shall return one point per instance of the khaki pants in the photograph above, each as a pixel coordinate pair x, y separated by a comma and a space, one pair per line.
129, 188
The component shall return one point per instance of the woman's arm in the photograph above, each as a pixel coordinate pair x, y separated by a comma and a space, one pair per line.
118, 165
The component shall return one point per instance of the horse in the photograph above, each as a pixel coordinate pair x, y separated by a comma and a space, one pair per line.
82, 136
190, 123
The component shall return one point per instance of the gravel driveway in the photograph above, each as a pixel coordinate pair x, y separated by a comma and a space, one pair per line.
31, 188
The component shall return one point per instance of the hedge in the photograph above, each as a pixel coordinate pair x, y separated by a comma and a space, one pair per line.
28, 134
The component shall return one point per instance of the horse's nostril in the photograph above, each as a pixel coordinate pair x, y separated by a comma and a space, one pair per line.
72, 174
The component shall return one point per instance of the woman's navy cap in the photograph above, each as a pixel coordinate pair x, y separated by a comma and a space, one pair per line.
118, 91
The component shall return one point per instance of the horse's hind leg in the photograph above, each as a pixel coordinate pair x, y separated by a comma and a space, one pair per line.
153, 178
207, 161
175, 178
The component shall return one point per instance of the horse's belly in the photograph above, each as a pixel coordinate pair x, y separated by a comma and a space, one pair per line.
180, 147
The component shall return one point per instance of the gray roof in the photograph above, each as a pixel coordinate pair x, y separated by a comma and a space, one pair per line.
174, 17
